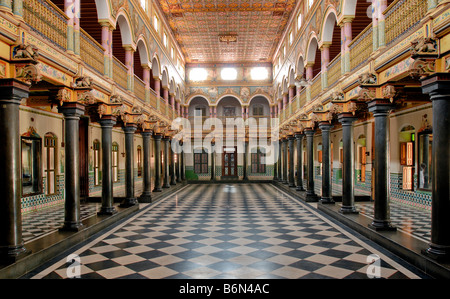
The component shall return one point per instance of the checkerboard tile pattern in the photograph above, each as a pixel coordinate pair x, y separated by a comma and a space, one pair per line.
226, 231
42, 222
412, 220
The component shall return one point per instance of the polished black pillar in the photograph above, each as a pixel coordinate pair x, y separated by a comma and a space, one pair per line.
146, 195
213, 162
348, 168
182, 167
299, 138
327, 197
11, 243
285, 162
72, 112
173, 172
276, 161
178, 164
291, 161
280, 160
245, 168
166, 180
157, 158
107, 123
381, 219
310, 193
130, 198
438, 87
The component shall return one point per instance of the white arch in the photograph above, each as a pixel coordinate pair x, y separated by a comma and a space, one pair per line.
126, 32
172, 86
230, 95
260, 95
141, 46
178, 93
284, 86
328, 26
312, 48
193, 96
348, 7
156, 67
300, 67
165, 78
103, 9
291, 77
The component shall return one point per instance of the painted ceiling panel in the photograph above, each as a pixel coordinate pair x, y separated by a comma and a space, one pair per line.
250, 30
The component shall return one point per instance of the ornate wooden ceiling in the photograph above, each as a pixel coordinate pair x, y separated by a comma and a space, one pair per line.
256, 24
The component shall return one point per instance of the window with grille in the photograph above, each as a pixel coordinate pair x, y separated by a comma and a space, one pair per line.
407, 160
139, 161
258, 161
258, 110
96, 163
200, 161
50, 142
115, 162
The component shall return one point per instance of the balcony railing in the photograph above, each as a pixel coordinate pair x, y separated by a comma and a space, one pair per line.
316, 86
91, 52
139, 88
401, 16
47, 19
120, 73
302, 98
334, 70
295, 104
361, 47
153, 99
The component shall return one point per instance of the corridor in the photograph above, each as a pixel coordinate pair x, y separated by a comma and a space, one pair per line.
227, 231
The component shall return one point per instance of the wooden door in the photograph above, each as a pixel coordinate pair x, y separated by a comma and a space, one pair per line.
229, 162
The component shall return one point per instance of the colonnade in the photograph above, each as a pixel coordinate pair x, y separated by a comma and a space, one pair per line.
12, 91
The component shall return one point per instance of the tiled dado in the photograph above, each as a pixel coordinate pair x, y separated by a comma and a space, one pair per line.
42, 201
413, 198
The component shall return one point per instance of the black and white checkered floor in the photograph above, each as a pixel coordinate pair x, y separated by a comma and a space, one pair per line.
40, 223
411, 220
227, 231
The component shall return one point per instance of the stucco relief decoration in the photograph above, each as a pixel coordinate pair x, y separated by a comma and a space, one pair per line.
101, 110
86, 98
153, 119
28, 53
84, 82
422, 68
424, 46
25, 58
318, 108
389, 92
62, 96
245, 93
213, 93
333, 111
116, 99
140, 120
28, 73
337, 96
120, 110
136, 110
366, 94
352, 107
367, 79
